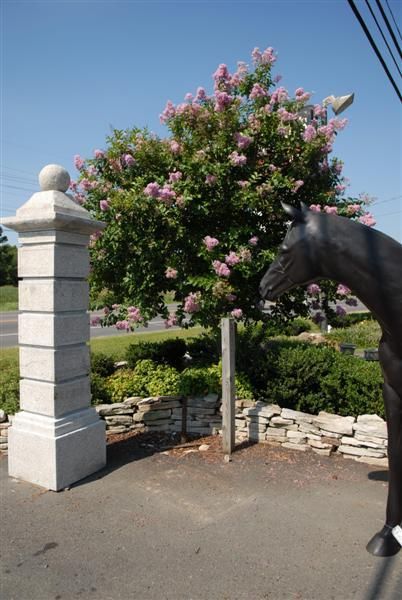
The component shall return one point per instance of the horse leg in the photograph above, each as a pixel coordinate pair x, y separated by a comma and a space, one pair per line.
384, 543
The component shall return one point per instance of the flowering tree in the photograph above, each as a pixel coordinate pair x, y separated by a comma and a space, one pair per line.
198, 213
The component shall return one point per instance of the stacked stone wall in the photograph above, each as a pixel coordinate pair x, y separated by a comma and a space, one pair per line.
363, 438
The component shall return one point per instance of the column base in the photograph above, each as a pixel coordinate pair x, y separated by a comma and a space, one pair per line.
55, 453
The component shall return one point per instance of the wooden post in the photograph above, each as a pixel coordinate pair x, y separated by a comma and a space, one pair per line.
228, 384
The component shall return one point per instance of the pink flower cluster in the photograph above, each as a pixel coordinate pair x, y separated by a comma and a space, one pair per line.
165, 193
331, 210
88, 185
192, 302
319, 111
99, 154
257, 91
128, 160
175, 176
210, 179
267, 57
367, 219
237, 160
168, 112
315, 207
171, 321
342, 290
232, 259
134, 314
297, 185
123, 325
221, 268
171, 273
313, 289
253, 241
223, 99
243, 141
175, 147
79, 163
210, 242
286, 116
237, 313
301, 95
309, 133
104, 205
353, 209
279, 95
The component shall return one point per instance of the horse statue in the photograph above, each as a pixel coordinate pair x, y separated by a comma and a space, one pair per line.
324, 246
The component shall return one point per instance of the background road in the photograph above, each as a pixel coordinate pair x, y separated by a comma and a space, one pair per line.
9, 328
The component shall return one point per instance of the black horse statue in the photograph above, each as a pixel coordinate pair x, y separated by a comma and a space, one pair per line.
322, 246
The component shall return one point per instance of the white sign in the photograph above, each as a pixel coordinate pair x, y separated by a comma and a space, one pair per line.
397, 533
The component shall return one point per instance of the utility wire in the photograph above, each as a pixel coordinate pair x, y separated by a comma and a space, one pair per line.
387, 200
383, 37
373, 45
398, 212
387, 23
393, 18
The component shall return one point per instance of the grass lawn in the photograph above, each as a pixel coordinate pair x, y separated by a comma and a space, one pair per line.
115, 346
8, 298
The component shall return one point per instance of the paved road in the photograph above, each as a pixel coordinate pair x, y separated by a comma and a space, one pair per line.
270, 525
9, 329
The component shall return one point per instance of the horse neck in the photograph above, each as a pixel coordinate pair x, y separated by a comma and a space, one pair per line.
359, 257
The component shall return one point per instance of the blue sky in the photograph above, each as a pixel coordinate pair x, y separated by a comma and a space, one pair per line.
72, 69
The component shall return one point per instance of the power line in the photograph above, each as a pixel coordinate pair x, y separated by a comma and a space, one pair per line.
14, 187
383, 37
393, 18
387, 23
14, 179
373, 45
398, 212
387, 200
19, 170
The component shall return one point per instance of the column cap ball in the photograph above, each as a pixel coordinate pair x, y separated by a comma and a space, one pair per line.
54, 177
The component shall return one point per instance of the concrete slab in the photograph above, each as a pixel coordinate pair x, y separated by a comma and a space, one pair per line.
271, 524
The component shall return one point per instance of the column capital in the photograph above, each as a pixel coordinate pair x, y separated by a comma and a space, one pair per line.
53, 208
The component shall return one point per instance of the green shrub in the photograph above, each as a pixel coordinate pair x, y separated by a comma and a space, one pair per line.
101, 364
140, 351
365, 334
204, 350
10, 390
314, 378
147, 379
199, 381
100, 393
243, 387
167, 352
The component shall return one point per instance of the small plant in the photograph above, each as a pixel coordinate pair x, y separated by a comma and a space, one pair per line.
10, 390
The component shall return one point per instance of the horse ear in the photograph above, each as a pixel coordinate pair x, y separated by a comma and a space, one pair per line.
293, 212
304, 208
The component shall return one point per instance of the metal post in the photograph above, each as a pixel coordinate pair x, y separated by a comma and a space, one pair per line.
228, 330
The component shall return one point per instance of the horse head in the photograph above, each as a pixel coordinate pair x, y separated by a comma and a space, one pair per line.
297, 262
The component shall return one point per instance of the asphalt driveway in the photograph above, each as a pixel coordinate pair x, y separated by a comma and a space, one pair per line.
160, 524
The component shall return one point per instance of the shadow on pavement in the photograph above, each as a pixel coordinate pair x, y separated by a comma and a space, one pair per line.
377, 587
378, 476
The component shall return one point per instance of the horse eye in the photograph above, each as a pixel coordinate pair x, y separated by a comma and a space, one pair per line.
284, 248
